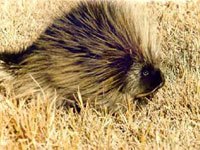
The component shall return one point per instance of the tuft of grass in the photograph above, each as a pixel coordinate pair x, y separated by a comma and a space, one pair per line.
170, 121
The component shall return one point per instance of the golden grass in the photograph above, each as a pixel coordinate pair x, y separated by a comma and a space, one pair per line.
170, 121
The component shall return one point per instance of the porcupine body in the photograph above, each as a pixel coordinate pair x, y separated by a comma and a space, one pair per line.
100, 47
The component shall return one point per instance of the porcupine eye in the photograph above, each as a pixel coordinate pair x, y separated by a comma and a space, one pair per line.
145, 73
151, 79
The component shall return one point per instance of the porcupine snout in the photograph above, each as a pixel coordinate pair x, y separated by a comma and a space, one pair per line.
151, 80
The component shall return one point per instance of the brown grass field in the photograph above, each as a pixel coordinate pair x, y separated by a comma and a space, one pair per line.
170, 121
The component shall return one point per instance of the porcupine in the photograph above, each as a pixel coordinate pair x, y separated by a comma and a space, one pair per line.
101, 48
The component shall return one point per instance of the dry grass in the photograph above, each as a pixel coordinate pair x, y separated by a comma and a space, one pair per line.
170, 121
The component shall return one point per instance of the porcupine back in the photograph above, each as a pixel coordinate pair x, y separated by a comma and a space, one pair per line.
92, 48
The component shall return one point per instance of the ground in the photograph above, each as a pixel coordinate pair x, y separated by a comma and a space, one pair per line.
171, 120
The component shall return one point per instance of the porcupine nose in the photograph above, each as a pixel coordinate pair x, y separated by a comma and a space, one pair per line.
157, 81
